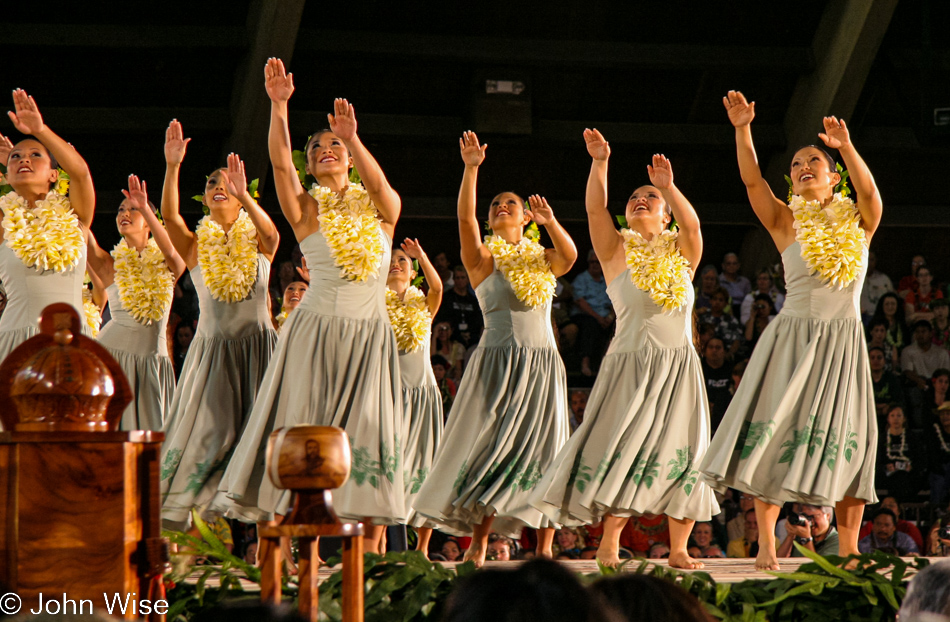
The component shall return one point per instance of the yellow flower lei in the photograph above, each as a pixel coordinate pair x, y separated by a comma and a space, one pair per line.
48, 236
92, 312
831, 238
410, 318
144, 281
657, 267
525, 266
228, 260
280, 318
351, 228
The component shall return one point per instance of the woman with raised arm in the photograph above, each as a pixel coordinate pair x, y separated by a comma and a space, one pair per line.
509, 418
646, 426
139, 276
410, 313
229, 256
801, 426
43, 253
337, 361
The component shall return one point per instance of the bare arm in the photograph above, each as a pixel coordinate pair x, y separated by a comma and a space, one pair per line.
99, 261
870, 206
82, 193
388, 203
99, 295
434, 297
564, 253
607, 241
475, 257
267, 236
690, 239
178, 232
137, 194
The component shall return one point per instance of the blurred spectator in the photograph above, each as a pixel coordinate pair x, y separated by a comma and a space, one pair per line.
569, 539
763, 312
928, 596
702, 539
921, 359
642, 598
284, 275
706, 332
890, 309
717, 373
938, 452
939, 546
578, 406
444, 268
659, 551
877, 338
941, 324
936, 394
460, 309
184, 334
593, 314
448, 348
708, 283
918, 302
735, 528
500, 548
816, 534
900, 460
746, 545
887, 386
737, 285
903, 526
884, 536
561, 314
738, 370
589, 552
763, 285
876, 284
908, 283
447, 386
642, 532
727, 326
451, 551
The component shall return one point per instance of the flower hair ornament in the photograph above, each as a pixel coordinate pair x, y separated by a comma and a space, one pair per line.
306, 179
841, 187
251, 190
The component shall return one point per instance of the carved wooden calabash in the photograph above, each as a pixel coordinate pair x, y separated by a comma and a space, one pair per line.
61, 380
308, 457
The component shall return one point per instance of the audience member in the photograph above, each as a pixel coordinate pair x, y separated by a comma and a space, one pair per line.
460, 309
877, 338
940, 323
885, 537
737, 285
727, 326
708, 284
705, 332
918, 302
921, 359
763, 312
735, 528
578, 406
569, 539
284, 275
888, 390
642, 598
444, 267
746, 545
451, 550
500, 548
738, 370
447, 386
184, 334
936, 394
702, 539
908, 283
900, 461
928, 596
448, 348
938, 453
938, 539
876, 284
593, 314
816, 534
903, 526
642, 532
589, 552
561, 314
659, 551
890, 309
764, 285
717, 373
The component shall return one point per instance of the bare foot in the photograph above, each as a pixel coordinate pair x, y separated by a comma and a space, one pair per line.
607, 555
766, 560
475, 553
853, 563
681, 559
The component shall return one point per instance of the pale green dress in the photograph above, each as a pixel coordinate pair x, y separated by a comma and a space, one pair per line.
646, 426
219, 382
802, 424
507, 423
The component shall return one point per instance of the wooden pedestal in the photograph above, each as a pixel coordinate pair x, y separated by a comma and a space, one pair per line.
76, 509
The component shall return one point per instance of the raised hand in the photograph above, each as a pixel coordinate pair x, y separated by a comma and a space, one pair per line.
597, 145
137, 194
473, 154
343, 119
235, 177
6, 146
277, 82
412, 248
27, 118
740, 111
303, 270
836, 133
540, 211
175, 144
661, 172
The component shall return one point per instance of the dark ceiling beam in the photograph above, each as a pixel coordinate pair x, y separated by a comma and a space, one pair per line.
844, 46
122, 36
522, 52
274, 25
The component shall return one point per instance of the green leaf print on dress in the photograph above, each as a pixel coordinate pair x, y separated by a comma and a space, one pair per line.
460, 478
645, 470
416, 481
171, 462
582, 476
830, 455
808, 435
753, 434
204, 471
680, 468
366, 470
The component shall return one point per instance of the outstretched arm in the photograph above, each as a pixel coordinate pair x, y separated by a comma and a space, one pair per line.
267, 236
137, 194
475, 257
99, 261
343, 124
28, 120
181, 237
870, 206
434, 297
690, 238
770, 210
564, 253
606, 239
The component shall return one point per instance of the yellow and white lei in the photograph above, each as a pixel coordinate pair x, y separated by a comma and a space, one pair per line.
48, 236
228, 260
831, 238
144, 281
280, 318
526, 267
92, 312
410, 318
351, 228
657, 267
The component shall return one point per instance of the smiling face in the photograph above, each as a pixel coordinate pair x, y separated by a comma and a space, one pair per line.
400, 268
703, 534
129, 221
29, 166
566, 539
216, 195
819, 520
646, 210
812, 174
507, 211
293, 294
327, 155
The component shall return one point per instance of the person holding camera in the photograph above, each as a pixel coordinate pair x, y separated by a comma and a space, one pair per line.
938, 541
812, 529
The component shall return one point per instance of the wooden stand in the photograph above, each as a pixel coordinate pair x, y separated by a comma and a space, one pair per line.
310, 460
